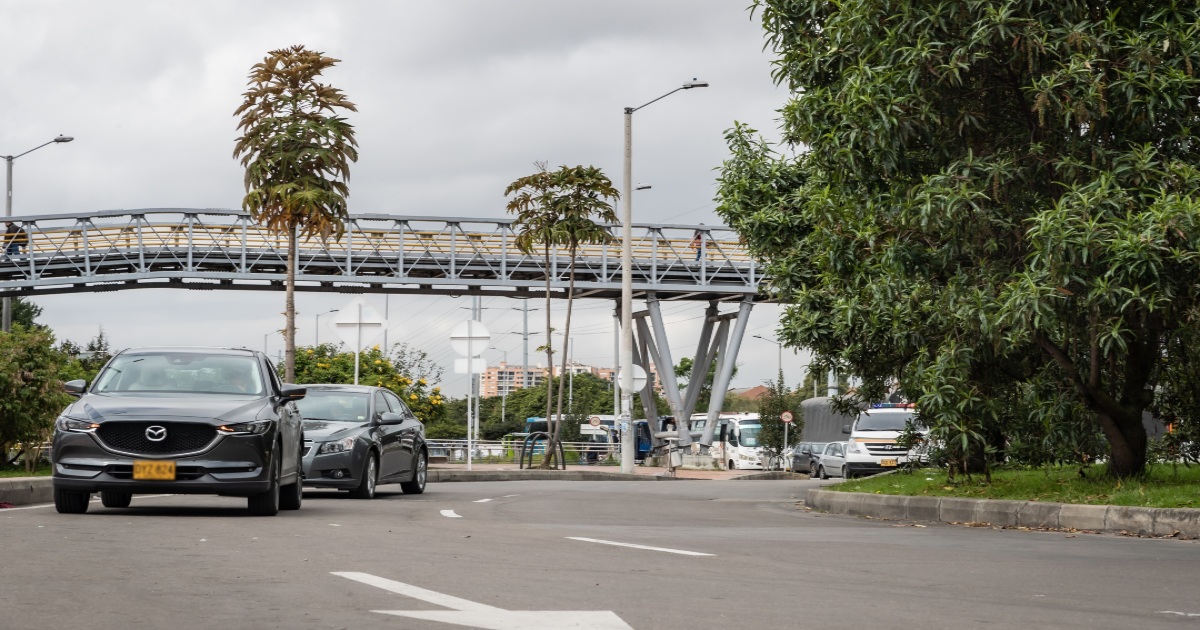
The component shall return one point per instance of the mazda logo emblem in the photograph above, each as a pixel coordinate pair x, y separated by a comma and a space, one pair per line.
156, 433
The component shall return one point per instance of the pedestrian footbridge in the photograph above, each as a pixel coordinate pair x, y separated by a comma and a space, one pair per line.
204, 249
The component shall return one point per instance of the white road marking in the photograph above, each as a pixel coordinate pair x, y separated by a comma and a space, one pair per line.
450, 514
1181, 614
483, 501
96, 500
509, 496
621, 544
468, 613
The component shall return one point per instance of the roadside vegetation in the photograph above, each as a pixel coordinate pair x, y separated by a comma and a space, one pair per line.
1162, 486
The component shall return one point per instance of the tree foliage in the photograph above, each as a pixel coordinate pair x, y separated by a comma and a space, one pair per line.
296, 152
771, 406
31, 393
995, 202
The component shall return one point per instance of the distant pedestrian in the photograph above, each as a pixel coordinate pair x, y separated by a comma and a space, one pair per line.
697, 242
14, 238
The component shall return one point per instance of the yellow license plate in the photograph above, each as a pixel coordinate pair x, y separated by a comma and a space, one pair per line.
154, 470
887, 462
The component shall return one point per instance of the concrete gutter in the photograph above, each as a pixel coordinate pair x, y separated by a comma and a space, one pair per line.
1114, 519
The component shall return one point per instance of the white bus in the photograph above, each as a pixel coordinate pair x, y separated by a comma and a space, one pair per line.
740, 449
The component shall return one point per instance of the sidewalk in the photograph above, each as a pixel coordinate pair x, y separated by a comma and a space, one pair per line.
451, 472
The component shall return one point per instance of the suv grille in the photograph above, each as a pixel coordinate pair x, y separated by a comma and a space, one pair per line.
182, 437
885, 448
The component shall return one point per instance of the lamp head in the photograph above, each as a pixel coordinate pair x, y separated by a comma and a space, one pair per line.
64, 139
695, 83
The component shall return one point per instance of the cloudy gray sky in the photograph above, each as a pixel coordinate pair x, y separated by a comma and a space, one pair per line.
456, 99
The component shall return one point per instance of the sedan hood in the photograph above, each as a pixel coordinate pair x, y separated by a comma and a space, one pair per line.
218, 409
323, 431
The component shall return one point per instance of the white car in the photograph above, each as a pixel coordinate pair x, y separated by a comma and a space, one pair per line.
832, 462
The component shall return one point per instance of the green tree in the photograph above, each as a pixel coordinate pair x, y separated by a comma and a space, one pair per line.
24, 312
771, 406
568, 207
84, 362
296, 153
683, 372
31, 393
993, 194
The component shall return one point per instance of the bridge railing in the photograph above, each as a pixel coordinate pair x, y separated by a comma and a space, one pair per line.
144, 241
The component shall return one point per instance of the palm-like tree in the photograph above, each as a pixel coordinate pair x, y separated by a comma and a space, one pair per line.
296, 152
561, 208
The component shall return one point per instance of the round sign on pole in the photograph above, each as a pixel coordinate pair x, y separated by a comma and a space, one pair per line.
470, 338
639, 379
786, 417
594, 421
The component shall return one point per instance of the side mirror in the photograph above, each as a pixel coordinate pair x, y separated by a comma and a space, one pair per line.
292, 392
389, 417
75, 387
846, 429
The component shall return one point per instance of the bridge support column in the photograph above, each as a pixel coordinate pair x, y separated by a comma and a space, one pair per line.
727, 359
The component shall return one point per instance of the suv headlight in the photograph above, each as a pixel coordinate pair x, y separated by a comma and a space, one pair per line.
76, 426
245, 428
336, 446
854, 447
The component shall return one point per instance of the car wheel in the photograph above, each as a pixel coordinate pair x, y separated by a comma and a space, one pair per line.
266, 503
71, 501
821, 473
420, 473
370, 477
845, 475
114, 499
292, 495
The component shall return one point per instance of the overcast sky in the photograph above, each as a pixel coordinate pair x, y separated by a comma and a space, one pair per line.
456, 99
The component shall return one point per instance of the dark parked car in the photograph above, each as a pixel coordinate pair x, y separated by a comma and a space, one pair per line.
181, 421
805, 455
358, 437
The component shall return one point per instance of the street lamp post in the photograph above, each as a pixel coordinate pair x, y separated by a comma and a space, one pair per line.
780, 344
628, 445
317, 326
6, 317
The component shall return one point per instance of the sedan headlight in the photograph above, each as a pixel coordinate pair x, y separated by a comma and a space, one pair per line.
245, 428
337, 446
76, 426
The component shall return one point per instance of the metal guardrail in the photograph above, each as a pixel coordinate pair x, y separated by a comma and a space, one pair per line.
509, 452
227, 249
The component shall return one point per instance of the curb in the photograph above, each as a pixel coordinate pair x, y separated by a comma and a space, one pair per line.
26, 490
1181, 523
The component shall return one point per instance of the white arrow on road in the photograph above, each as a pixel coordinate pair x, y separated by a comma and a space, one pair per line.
473, 614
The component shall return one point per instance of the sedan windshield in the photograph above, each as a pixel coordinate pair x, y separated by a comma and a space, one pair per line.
180, 372
335, 406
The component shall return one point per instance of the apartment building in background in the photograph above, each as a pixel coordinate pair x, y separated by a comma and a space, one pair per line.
503, 379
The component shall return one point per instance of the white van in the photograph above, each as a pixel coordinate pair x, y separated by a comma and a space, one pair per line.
871, 447
740, 449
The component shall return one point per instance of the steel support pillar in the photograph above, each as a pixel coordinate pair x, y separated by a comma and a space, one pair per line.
727, 360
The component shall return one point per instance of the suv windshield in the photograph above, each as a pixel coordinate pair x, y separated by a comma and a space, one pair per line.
335, 406
155, 373
883, 421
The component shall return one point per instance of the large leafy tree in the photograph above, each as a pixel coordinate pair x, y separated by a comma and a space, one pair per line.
296, 152
568, 208
400, 373
31, 393
994, 205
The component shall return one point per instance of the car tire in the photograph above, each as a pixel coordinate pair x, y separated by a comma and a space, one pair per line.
114, 499
416, 485
292, 495
370, 478
71, 501
266, 503
845, 474
821, 473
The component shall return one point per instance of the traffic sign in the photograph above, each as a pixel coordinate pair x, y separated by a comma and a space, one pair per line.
786, 417
470, 338
639, 379
358, 324
594, 421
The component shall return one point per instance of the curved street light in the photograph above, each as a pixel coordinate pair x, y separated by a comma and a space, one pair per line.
626, 374
6, 317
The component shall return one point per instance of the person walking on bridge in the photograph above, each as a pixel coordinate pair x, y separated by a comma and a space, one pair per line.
14, 238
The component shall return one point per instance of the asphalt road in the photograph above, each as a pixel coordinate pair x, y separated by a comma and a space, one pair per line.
474, 552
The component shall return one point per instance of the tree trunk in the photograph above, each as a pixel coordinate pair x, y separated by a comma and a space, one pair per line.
549, 459
554, 437
1126, 441
289, 331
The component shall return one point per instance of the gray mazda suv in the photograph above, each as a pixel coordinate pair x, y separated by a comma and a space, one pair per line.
181, 421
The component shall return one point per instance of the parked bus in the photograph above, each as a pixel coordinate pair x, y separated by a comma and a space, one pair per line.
735, 440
